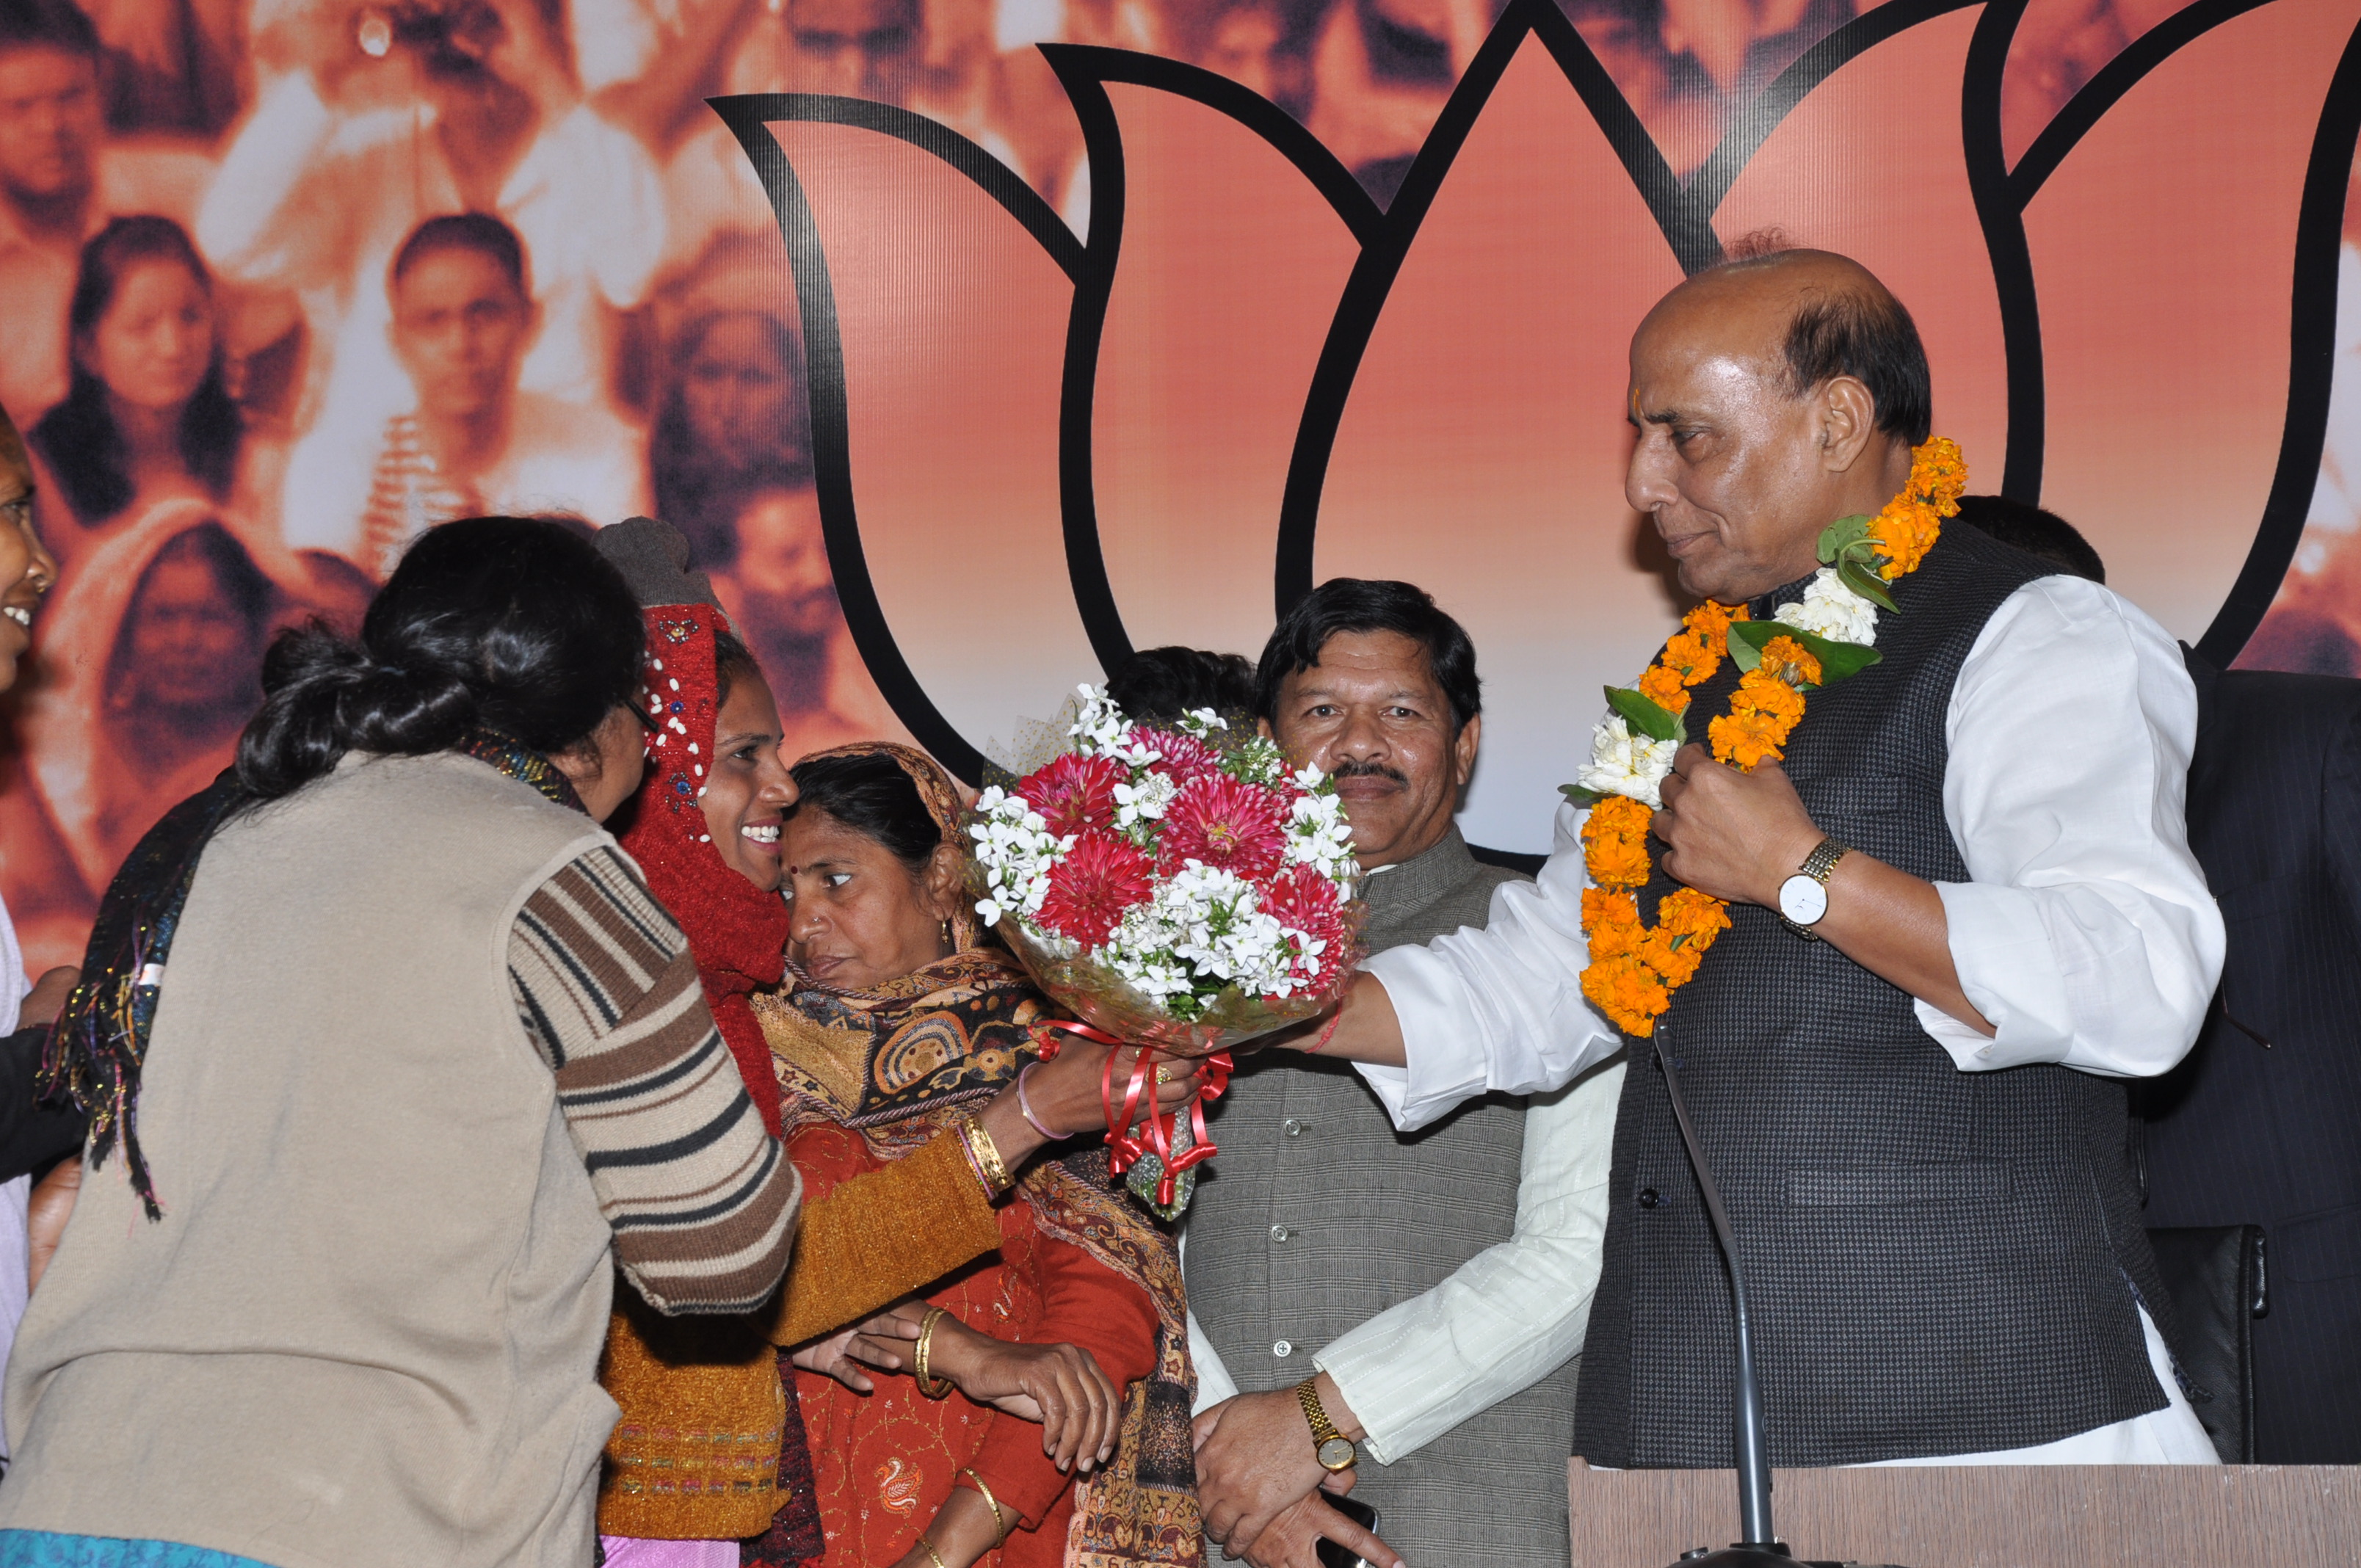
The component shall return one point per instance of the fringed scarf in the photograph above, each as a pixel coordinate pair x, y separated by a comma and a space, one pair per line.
100, 1039
906, 1061
737, 933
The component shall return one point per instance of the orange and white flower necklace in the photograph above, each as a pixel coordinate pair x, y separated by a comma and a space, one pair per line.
1823, 637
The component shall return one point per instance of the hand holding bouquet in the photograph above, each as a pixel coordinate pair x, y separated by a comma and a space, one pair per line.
1179, 887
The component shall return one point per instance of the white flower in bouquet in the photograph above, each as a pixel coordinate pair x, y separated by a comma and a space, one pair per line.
1317, 834
1832, 611
1016, 850
1142, 802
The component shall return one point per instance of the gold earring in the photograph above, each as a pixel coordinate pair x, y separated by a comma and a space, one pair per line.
946, 932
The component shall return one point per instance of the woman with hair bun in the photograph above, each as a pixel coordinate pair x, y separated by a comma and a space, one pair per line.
435, 1064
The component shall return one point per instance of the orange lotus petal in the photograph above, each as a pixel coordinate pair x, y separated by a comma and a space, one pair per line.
2162, 251
936, 466
1492, 387
1231, 267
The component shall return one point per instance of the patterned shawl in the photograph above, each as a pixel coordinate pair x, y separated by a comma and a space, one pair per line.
906, 1061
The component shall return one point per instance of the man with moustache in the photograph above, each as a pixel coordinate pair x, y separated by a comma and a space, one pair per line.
1424, 1294
1918, 1118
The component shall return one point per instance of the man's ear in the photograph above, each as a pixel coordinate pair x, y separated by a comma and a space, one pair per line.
1262, 728
1848, 418
1463, 750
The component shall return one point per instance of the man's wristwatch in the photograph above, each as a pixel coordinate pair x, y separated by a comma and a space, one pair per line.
1335, 1450
1803, 897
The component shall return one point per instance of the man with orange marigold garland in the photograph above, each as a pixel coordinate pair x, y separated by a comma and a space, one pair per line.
1906, 910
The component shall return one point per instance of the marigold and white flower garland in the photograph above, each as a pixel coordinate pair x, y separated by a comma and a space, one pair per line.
1824, 637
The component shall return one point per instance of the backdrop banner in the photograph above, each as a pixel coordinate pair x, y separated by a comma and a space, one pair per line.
975, 343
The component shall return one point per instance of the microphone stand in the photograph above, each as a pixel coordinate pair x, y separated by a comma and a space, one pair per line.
1761, 1547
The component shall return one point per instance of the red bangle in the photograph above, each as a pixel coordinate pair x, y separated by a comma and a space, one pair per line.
1316, 1046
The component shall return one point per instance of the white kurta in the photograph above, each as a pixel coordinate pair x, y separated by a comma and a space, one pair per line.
2086, 933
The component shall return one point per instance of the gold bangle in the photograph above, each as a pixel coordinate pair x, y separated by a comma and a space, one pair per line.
987, 1156
932, 1388
999, 1525
932, 1553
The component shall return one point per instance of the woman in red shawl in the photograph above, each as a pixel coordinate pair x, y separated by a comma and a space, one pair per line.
895, 1026
707, 1450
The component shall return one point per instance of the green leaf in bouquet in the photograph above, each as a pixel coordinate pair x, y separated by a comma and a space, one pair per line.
1579, 795
1863, 580
1843, 531
1838, 660
1643, 715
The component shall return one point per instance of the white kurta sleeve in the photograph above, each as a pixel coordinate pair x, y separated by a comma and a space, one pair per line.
1214, 1383
1510, 1315
2086, 934
1499, 1006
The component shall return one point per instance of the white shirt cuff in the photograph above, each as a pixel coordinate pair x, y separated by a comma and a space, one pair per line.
2009, 968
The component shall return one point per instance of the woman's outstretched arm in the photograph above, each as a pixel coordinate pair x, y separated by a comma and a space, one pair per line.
883, 1235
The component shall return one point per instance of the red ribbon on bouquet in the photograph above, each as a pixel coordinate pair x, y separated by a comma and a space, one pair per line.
1162, 1129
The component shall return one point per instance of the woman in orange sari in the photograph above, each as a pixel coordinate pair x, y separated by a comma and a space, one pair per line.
895, 1026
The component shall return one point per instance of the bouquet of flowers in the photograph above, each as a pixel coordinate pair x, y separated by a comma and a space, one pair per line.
1181, 888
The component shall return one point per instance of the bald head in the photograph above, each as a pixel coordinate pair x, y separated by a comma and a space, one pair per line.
1772, 395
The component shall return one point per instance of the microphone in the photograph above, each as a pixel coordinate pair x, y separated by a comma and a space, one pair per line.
1761, 1547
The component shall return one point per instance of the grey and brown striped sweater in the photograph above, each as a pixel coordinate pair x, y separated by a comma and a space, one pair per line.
701, 1198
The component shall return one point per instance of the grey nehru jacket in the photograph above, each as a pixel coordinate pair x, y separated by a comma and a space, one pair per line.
1318, 1215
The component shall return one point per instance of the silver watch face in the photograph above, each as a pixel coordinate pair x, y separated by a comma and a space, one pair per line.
1337, 1453
1802, 900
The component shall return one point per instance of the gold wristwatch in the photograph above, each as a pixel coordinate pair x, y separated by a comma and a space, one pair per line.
1335, 1450
1803, 897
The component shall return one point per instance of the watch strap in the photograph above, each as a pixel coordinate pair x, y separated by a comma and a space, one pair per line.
1307, 1394
1823, 860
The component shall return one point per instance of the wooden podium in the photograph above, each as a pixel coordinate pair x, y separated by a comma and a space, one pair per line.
1986, 1516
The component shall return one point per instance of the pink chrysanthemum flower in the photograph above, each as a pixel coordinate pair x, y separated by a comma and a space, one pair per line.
1220, 822
1100, 878
1074, 793
1309, 905
1184, 756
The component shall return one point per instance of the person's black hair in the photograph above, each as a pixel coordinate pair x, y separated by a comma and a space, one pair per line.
732, 661
60, 25
1159, 685
79, 438
1859, 330
506, 623
479, 232
871, 794
2039, 533
1368, 604
694, 492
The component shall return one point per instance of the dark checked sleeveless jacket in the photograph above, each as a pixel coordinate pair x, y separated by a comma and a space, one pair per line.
1937, 1262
